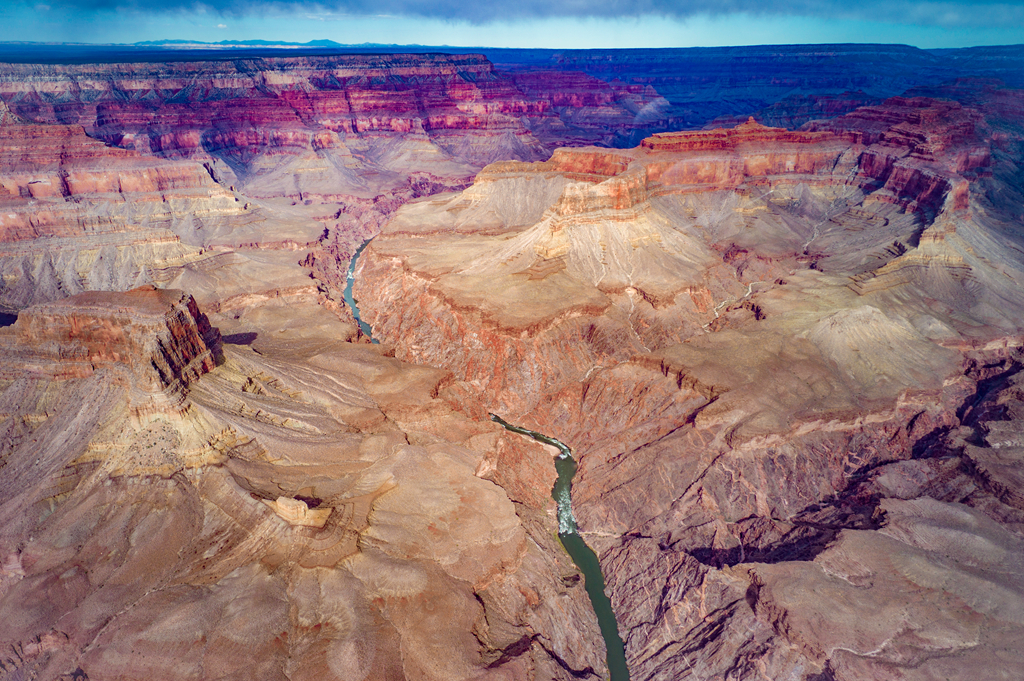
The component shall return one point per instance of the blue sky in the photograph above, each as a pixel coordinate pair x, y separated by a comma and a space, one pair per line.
535, 23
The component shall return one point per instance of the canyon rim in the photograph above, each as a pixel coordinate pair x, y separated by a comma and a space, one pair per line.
296, 346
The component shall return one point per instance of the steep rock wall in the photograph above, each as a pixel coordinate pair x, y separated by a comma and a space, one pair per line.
755, 364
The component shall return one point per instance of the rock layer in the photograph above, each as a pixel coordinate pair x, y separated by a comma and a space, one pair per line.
78, 214
298, 153
160, 335
788, 362
305, 505
295, 126
768, 349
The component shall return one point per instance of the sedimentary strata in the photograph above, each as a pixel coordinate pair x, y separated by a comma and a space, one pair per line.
305, 153
279, 504
787, 361
774, 353
306, 126
77, 214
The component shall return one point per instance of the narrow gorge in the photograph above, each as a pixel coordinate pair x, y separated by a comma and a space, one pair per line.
749, 335
582, 555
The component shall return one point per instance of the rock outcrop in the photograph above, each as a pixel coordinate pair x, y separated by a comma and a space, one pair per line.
303, 153
299, 127
788, 362
160, 336
303, 504
639, 249
768, 349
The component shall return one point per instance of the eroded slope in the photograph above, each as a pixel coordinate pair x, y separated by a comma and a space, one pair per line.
769, 349
278, 505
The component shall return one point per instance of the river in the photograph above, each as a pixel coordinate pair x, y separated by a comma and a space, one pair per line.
581, 554
568, 533
349, 300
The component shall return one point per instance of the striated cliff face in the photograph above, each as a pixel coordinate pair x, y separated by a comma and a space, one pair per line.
639, 249
788, 362
77, 214
159, 335
775, 354
307, 153
282, 504
298, 127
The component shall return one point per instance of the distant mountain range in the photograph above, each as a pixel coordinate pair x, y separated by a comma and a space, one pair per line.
257, 43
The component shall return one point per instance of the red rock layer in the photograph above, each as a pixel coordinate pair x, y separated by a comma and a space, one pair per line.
281, 477
774, 457
160, 336
614, 188
236, 109
917, 152
54, 174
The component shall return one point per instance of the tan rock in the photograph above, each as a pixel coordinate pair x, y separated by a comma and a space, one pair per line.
297, 512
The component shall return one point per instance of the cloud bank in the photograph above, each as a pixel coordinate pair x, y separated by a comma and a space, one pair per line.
945, 13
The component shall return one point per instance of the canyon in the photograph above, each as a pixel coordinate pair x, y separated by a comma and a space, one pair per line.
750, 336
778, 325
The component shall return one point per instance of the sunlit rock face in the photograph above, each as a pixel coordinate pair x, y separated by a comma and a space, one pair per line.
133, 171
159, 335
776, 354
278, 504
691, 233
786, 360
77, 214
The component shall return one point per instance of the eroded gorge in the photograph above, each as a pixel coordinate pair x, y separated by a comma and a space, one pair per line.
780, 330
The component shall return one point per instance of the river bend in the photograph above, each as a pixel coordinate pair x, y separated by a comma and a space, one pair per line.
581, 554
568, 533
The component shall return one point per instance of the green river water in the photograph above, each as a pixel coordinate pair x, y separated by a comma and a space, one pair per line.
581, 554
349, 300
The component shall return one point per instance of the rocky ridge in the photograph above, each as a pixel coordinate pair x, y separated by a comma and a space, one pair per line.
305, 505
785, 358
160, 335
302, 126
768, 349
303, 154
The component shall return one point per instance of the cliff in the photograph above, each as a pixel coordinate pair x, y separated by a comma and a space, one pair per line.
299, 153
318, 483
761, 344
158, 335
47, 167
788, 362
79, 214
428, 113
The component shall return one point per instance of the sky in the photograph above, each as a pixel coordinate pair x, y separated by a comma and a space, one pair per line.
521, 23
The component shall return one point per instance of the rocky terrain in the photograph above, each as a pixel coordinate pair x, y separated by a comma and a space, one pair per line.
776, 355
353, 524
324, 147
282, 505
785, 351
